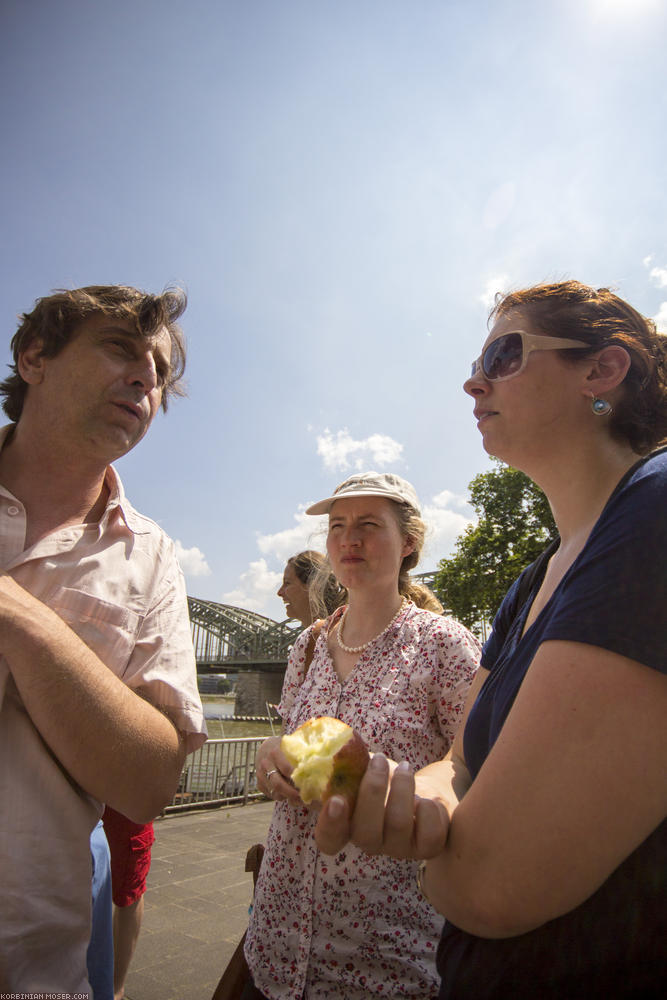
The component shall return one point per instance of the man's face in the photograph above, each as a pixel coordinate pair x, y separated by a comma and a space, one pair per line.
105, 386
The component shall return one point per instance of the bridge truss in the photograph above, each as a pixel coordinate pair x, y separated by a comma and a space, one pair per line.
227, 638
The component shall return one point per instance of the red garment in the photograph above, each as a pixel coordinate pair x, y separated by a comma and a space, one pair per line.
130, 845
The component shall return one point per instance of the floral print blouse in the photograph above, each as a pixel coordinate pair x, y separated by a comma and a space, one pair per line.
353, 925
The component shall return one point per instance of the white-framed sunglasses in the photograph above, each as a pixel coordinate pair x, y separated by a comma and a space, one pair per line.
507, 356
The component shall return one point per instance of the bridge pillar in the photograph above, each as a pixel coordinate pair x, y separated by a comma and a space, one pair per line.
254, 689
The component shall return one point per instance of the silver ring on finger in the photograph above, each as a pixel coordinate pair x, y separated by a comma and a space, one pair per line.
273, 771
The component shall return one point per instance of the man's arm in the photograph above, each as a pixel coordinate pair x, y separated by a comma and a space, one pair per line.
116, 746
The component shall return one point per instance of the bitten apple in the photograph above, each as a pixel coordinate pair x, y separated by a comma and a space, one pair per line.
328, 758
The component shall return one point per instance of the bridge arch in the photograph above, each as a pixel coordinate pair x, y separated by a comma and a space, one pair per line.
230, 638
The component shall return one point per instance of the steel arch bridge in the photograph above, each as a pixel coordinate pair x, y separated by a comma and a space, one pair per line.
230, 638
227, 638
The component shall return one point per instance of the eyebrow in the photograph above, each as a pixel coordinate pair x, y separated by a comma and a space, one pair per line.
358, 517
135, 337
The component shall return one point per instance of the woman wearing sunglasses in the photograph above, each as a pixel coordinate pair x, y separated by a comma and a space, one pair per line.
544, 829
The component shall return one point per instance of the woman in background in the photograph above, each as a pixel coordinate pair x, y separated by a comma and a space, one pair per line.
300, 571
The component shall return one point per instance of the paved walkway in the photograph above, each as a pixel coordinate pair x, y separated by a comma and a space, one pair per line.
196, 906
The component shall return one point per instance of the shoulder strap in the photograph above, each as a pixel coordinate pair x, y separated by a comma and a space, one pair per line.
312, 642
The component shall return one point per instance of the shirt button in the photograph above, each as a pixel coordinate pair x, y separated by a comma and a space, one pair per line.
12, 511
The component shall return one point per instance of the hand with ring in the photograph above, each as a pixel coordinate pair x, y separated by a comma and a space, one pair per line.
273, 771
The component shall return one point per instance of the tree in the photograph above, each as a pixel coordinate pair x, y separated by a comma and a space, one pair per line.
515, 524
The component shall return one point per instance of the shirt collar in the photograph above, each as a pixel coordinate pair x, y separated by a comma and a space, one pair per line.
117, 501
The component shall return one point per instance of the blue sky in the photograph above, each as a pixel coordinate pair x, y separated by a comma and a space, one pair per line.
341, 187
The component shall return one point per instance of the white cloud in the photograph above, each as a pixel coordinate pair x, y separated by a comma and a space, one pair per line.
497, 283
445, 522
659, 276
192, 561
661, 318
449, 499
341, 451
256, 586
304, 534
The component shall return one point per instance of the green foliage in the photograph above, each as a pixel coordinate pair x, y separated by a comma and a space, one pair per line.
515, 525
223, 686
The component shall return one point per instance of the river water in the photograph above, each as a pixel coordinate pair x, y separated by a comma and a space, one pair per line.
219, 711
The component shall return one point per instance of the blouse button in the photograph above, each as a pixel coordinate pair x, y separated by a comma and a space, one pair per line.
12, 511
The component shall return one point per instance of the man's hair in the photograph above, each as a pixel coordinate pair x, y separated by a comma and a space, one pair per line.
55, 318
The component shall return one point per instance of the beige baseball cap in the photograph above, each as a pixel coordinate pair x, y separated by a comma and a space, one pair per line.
370, 484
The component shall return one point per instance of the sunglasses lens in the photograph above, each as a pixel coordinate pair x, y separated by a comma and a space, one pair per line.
503, 357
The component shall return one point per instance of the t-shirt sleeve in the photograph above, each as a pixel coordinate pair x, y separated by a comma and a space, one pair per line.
162, 666
615, 593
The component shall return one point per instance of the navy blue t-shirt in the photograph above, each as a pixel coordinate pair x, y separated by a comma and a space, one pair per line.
615, 596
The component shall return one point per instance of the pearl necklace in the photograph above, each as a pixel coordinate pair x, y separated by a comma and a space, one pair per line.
360, 649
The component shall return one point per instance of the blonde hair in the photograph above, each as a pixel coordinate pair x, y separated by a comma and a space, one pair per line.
412, 526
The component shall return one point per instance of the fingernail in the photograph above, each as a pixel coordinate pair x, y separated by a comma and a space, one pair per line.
378, 762
405, 767
336, 806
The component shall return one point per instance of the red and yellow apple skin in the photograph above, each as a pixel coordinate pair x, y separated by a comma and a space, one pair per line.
328, 758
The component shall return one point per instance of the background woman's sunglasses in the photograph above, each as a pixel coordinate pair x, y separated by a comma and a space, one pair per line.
507, 356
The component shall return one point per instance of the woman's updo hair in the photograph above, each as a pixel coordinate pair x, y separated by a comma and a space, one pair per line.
324, 592
599, 317
411, 526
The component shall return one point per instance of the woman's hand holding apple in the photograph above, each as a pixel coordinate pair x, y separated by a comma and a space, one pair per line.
273, 771
389, 817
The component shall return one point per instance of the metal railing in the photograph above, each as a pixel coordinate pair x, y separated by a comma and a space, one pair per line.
222, 772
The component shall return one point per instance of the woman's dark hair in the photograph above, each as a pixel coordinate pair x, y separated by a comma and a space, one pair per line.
599, 317
55, 318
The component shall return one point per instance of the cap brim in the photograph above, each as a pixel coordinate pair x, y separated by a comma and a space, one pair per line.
324, 506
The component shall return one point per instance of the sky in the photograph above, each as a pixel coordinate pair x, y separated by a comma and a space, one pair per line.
341, 186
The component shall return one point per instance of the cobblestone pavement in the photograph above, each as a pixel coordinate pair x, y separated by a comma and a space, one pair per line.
196, 906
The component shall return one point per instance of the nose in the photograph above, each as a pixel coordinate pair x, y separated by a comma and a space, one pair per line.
351, 535
476, 385
144, 372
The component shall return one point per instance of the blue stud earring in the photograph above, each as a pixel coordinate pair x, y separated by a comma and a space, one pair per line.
600, 407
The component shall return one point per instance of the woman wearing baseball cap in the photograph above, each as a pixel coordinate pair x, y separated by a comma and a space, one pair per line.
355, 926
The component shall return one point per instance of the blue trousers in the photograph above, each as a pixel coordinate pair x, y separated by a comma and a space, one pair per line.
100, 948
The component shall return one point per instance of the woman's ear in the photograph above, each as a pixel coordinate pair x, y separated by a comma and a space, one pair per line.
408, 546
607, 370
30, 362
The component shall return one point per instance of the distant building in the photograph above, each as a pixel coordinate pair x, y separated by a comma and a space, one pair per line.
208, 683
